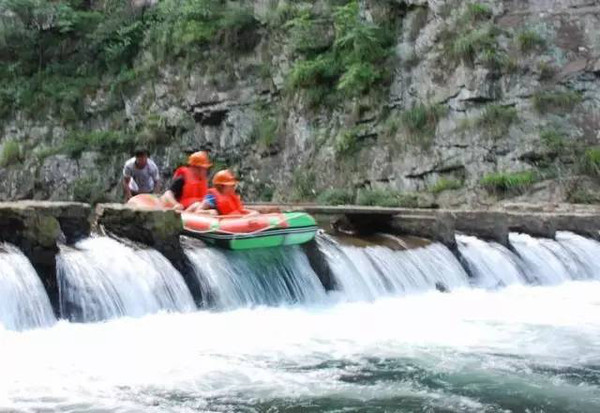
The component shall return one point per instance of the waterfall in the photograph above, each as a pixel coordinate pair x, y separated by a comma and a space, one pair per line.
23, 301
271, 276
585, 253
101, 279
546, 261
366, 273
490, 264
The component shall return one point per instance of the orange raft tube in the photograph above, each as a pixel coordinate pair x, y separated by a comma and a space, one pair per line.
239, 232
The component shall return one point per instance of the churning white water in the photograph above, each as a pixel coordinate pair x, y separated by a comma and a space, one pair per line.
101, 279
490, 264
23, 301
232, 279
378, 271
516, 349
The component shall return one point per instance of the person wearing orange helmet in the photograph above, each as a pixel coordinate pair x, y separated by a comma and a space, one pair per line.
190, 184
222, 197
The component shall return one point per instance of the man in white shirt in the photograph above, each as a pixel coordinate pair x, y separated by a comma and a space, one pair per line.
140, 175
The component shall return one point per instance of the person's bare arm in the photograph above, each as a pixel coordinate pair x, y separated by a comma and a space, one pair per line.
126, 190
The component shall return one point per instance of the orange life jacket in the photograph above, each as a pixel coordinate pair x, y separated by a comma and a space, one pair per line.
229, 204
194, 188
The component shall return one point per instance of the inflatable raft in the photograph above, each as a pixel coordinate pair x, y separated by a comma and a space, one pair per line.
242, 232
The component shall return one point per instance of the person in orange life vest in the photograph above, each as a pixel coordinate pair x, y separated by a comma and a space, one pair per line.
190, 184
223, 198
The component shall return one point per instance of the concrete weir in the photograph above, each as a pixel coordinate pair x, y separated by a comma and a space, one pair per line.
37, 228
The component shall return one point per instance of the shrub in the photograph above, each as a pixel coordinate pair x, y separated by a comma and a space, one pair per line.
347, 142
264, 131
336, 196
545, 102
445, 184
386, 198
547, 71
529, 40
107, 142
552, 140
475, 12
473, 43
89, 190
351, 66
11, 153
583, 196
509, 181
591, 161
496, 120
421, 121
303, 185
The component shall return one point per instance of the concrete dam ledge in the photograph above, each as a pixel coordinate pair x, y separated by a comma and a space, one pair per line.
39, 225
38, 228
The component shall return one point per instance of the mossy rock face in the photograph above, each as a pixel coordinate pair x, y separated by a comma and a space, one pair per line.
153, 228
43, 230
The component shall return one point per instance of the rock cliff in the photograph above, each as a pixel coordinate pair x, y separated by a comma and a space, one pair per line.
436, 102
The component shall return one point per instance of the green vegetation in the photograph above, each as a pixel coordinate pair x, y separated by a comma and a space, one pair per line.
473, 37
591, 161
476, 12
303, 185
529, 40
386, 198
547, 71
553, 140
11, 154
349, 66
496, 120
420, 122
347, 142
54, 54
504, 182
89, 190
264, 131
445, 184
545, 102
336, 196
583, 196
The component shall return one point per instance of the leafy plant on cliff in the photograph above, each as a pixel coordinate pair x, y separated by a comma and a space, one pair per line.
303, 185
591, 161
89, 190
420, 122
336, 196
11, 153
496, 120
529, 40
350, 66
555, 101
506, 182
386, 198
446, 184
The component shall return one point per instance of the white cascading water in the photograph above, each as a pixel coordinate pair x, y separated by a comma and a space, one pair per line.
273, 276
24, 303
368, 273
546, 262
101, 279
585, 253
490, 264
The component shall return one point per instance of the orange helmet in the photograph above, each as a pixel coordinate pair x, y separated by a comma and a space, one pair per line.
224, 177
199, 159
